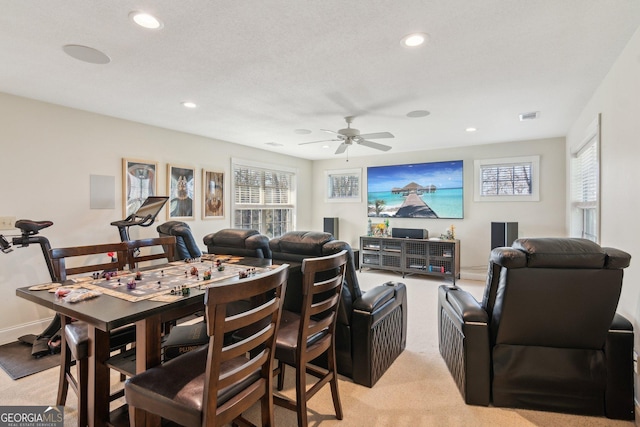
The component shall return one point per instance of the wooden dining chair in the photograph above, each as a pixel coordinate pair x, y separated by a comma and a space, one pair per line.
166, 244
215, 384
74, 343
307, 335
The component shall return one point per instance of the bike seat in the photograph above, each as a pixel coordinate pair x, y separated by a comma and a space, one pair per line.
31, 227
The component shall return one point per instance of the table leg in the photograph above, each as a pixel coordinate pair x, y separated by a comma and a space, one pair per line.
148, 354
98, 387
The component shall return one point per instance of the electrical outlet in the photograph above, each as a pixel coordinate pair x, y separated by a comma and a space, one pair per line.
7, 222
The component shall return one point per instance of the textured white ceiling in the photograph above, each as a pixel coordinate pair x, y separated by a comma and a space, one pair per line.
261, 69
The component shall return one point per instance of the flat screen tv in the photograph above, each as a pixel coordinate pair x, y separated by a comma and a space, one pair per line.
418, 190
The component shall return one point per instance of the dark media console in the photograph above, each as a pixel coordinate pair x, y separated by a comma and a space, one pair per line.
412, 256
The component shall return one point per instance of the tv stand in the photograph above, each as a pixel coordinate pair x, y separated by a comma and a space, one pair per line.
411, 256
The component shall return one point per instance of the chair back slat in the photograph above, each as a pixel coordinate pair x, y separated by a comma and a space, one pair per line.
167, 244
89, 258
322, 285
251, 349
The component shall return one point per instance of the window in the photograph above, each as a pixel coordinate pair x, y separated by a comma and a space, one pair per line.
263, 198
343, 185
585, 186
509, 179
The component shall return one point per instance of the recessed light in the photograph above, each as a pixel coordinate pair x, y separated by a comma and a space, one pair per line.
471, 129
302, 131
415, 39
86, 54
145, 20
418, 113
325, 146
189, 104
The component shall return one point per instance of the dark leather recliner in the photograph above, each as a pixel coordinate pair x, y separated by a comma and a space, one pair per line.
186, 247
371, 328
238, 241
546, 335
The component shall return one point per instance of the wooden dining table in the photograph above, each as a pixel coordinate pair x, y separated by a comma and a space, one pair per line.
106, 313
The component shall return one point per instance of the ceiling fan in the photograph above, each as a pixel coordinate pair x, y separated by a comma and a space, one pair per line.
348, 136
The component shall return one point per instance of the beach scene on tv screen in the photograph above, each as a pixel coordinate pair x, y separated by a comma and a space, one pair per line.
420, 190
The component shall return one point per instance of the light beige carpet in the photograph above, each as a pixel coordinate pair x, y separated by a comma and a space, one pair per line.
416, 391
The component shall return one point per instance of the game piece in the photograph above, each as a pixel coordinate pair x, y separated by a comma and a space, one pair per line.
221, 268
138, 275
207, 275
131, 284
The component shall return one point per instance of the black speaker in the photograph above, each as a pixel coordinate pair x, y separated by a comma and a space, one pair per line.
331, 226
503, 234
409, 233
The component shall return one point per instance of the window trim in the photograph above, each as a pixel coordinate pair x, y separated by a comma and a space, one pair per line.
593, 137
357, 173
535, 179
237, 162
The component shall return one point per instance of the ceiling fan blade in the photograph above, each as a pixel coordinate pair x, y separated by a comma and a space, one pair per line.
330, 131
375, 145
377, 135
322, 140
342, 148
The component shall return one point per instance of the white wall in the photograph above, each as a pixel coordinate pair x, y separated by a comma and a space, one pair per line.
543, 218
618, 100
48, 155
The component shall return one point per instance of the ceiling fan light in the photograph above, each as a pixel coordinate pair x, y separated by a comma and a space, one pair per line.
415, 39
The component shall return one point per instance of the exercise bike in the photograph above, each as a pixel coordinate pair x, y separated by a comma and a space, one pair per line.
49, 340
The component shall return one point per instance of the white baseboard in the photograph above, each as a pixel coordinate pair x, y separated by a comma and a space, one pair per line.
11, 334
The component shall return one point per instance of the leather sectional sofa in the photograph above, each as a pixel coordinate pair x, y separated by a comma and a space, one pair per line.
372, 326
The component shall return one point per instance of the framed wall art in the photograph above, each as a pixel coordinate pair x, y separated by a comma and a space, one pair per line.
419, 190
212, 194
139, 181
181, 186
343, 185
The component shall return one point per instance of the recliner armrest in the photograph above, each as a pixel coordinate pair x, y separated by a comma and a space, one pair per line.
466, 306
374, 298
463, 336
619, 356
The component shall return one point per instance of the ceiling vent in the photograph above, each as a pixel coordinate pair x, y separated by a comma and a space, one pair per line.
529, 116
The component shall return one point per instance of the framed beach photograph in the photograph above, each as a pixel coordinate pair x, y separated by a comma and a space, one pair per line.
343, 185
419, 190
212, 194
181, 187
139, 181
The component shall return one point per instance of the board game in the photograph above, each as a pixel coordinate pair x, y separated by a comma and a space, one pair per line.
170, 282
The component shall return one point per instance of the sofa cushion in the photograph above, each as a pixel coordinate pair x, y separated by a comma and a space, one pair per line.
301, 242
553, 252
233, 237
